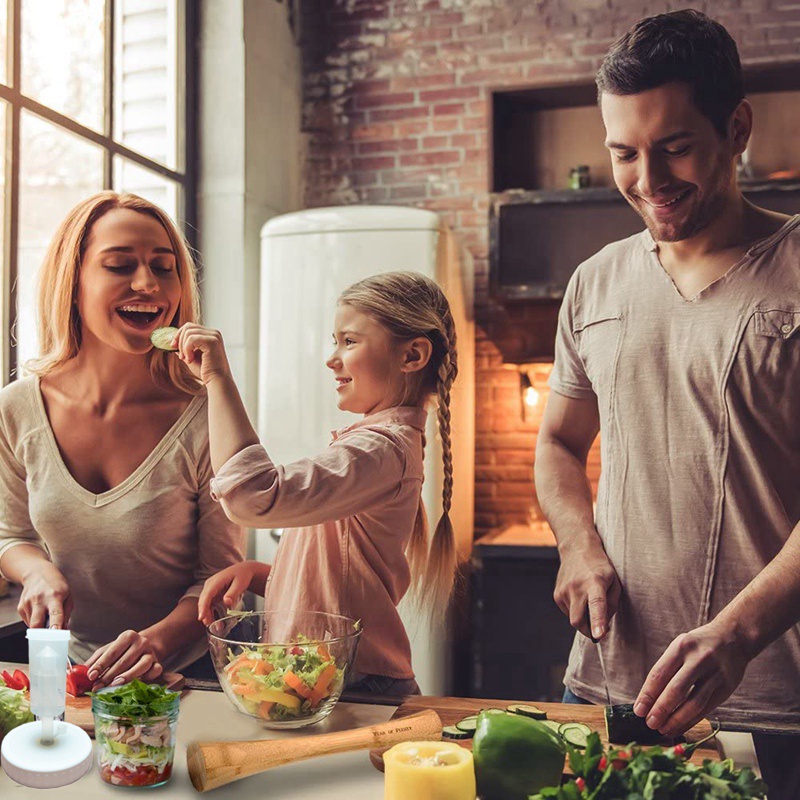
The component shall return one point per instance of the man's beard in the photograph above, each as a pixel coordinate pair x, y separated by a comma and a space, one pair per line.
700, 215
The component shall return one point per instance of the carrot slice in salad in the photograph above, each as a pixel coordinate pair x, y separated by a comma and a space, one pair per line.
323, 684
297, 685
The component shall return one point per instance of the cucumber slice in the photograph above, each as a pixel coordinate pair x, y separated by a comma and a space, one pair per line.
552, 724
493, 711
162, 338
527, 711
451, 732
468, 724
575, 733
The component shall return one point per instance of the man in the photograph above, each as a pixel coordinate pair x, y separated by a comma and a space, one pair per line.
682, 346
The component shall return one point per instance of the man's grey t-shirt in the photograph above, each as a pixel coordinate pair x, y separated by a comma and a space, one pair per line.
699, 403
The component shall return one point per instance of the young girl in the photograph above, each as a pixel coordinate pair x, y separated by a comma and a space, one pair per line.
361, 537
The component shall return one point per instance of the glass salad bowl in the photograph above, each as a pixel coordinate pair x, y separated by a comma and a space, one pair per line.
286, 669
135, 727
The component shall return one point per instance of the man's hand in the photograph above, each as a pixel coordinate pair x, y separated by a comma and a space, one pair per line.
45, 597
131, 655
698, 671
587, 589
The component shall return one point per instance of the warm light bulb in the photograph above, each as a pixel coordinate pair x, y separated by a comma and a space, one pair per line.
531, 397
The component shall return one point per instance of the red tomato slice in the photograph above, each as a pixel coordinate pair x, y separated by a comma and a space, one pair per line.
78, 682
22, 679
10, 680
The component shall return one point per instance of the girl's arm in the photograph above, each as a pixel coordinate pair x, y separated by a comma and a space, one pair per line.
229, 427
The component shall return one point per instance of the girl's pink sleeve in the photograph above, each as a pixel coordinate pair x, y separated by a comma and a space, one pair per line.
358, 470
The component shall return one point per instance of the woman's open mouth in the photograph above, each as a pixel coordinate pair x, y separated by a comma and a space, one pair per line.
342, 382
139, 316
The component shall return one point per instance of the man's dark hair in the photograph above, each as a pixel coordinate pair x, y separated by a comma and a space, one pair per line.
683, 46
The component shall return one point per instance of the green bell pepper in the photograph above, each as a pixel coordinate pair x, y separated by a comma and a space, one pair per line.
515, 756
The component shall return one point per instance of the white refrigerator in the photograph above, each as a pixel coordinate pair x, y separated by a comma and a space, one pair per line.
307, 259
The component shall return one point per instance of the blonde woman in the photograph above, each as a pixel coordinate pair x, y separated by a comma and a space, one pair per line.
106, 520
361, 537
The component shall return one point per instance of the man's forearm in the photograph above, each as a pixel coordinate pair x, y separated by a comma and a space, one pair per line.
565, 495
770, 604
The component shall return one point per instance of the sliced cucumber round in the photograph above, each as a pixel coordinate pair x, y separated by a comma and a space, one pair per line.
527, 711
493, 711
162, 338
468, 724
552, 724
451, 732
575, 733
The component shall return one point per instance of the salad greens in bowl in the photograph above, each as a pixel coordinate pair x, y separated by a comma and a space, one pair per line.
135, 726
286, 669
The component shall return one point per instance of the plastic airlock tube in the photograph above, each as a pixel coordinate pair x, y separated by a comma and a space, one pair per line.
47, 753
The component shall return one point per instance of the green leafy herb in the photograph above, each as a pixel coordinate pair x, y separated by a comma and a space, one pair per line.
655, 773
136, 700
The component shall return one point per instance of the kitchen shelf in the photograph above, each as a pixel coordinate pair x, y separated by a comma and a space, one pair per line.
609, 194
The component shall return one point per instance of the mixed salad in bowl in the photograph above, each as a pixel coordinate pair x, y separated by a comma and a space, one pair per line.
135, 727
286, 684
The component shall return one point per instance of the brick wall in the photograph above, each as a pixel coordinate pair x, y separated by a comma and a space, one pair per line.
395, 109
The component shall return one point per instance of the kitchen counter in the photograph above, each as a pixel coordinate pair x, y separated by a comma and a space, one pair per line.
209, 716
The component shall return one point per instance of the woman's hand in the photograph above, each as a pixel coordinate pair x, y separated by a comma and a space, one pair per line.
230, 584
131, 655
202, 350
45, 597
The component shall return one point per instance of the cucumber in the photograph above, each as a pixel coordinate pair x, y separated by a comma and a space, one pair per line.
575, 733
468, 724
527, 711
554, 726
162, 338
451, 732
493, 711
624, 727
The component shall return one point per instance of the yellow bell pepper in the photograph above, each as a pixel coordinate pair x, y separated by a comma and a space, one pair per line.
275, 696
429, 771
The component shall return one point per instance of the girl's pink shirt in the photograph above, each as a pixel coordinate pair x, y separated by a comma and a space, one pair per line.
355, 505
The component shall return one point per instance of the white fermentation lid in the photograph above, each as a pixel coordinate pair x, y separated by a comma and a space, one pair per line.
27, 761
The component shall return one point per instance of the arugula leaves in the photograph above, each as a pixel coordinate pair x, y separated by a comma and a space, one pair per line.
135, 700
653, 773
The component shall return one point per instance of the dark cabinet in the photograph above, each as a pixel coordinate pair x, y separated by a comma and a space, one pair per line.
520, 639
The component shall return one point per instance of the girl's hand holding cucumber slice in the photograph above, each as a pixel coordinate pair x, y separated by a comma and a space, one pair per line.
201, 349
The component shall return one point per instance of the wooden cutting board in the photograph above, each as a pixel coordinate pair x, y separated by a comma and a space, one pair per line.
79, 709
453, 709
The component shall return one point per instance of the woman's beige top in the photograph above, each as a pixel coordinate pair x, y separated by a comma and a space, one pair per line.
699, 404
355, 505
129, 554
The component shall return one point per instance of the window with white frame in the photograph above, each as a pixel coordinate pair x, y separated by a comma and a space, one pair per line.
93, 95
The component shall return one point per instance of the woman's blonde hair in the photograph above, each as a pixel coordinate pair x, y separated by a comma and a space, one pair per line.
410, 305
59, 321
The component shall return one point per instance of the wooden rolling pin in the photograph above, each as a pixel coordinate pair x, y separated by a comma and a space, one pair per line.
213, 764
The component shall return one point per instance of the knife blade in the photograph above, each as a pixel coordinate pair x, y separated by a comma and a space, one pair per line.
603, 669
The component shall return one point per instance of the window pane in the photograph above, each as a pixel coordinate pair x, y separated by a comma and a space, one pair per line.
130, 177
57, 170
62, 57
3, 40
145, 77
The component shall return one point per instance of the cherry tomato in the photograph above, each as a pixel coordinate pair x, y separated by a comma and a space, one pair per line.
603, 763
580, 783
143, 775
679, 750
